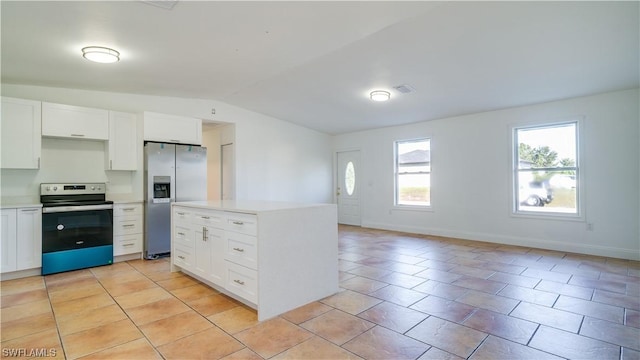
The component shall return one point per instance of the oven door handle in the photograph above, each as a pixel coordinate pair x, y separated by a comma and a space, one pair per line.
58, 209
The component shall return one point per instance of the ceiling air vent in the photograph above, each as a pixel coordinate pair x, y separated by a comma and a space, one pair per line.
405, 89
165, 4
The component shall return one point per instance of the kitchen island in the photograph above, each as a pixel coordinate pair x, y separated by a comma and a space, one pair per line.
272, 256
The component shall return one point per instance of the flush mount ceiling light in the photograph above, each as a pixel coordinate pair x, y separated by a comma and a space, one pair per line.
380, 95
100, 54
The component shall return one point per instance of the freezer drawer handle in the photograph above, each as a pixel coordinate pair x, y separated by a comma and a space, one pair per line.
238, 223
238, 282
238, 249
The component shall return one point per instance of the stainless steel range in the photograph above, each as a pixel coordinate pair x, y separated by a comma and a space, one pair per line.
77, 227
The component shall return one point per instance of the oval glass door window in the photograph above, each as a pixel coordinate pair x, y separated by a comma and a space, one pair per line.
350, 178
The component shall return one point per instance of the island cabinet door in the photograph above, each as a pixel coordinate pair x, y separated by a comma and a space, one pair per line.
217, 271
202, 253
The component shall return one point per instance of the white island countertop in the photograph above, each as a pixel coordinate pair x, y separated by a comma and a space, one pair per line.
248, 206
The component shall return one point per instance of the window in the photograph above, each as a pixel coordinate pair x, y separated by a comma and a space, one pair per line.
413, 172
546, 169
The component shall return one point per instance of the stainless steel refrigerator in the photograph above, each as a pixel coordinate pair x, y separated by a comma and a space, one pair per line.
173, 173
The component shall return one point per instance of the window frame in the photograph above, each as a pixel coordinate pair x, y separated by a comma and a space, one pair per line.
579, 215
396, 189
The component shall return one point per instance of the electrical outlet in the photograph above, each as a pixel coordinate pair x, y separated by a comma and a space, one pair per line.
213, 111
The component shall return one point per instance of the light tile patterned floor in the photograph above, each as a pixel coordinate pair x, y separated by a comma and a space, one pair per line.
402, 296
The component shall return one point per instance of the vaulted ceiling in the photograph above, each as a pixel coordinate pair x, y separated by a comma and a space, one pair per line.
314, 63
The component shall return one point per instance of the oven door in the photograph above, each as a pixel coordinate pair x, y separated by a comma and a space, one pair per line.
78, 227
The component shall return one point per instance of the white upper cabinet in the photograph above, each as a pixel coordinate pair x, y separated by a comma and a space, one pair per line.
172, 129
21, 143
76, 122
122, 149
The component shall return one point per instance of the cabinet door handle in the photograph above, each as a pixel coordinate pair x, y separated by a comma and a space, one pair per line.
238, 223
111, 164
77, 135
204, 233
38, 163
238, 282
29, 210
238, 249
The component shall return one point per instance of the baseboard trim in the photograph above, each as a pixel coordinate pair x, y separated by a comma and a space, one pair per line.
587, 249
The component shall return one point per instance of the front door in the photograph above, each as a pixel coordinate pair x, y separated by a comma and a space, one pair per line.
348, 187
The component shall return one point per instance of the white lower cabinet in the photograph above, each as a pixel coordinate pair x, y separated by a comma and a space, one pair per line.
198, 240
21, 242
208, 244
127, 229
274, 258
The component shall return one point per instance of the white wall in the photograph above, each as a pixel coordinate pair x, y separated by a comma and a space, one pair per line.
275, 160
471, 177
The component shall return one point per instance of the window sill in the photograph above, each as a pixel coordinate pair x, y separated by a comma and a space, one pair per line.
558, 216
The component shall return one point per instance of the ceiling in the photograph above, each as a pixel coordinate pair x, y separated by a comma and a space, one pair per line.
314, 63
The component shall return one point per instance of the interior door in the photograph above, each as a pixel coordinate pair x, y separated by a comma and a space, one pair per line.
348, 187
227, 172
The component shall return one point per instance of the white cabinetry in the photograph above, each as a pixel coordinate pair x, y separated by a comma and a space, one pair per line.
21, 242
172, 129
270, 256
21, 133
77, 122
198, 243
127, 229
122, 149
8, 240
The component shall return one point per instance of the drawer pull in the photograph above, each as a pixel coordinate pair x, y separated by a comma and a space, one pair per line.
181, 214
238, 223
238, 282
78, 135
128, 225
206, 217
238, 249
130, 244
181, 233
29, 210
128, 209
181, 257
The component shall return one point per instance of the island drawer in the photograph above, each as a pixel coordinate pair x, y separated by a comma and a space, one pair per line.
182, 257
242, 223
209, 218
241, 249
183, 235
242, 281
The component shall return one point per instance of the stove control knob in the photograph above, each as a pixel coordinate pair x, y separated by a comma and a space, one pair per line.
93, 188
48, 188
99, 188
55, 188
